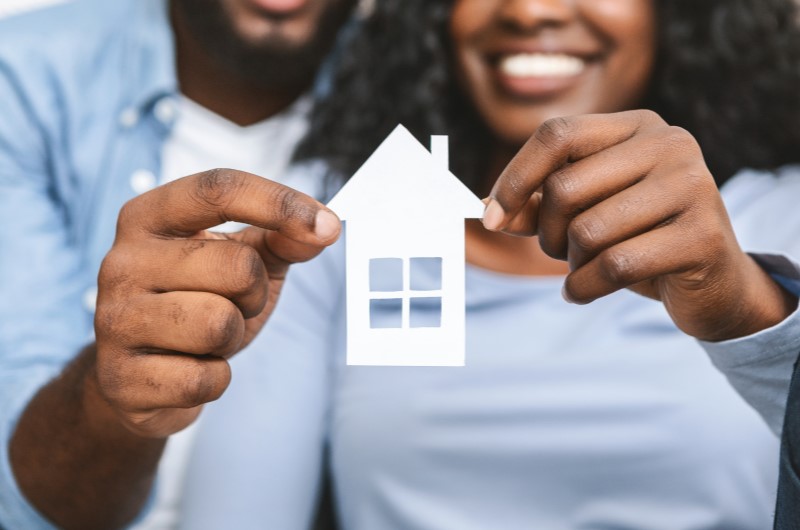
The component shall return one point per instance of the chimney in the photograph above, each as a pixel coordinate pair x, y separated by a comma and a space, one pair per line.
440, 152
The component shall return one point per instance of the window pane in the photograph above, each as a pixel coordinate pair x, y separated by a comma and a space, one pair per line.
426, 274
386, 313
426, 313
386, 274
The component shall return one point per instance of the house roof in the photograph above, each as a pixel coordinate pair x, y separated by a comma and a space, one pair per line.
403, 179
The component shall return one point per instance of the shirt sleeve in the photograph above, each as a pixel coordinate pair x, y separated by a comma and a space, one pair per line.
760, 366
42, 323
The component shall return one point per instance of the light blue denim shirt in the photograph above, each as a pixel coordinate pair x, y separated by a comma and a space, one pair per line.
83, 86
88, 92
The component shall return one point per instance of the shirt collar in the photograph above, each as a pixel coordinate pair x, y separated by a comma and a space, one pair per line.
152, 53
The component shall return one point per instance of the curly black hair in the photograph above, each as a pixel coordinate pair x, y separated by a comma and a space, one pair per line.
728, 71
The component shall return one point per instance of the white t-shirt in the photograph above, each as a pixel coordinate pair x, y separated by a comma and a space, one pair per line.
203, 140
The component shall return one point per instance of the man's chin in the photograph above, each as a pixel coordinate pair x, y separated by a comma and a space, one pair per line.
280, 52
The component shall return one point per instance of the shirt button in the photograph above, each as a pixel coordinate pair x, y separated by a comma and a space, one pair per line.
129, 117
90, 299
165, 110
143, 181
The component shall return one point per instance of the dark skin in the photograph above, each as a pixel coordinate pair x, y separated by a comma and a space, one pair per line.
215, 83
175, 303
205, 81
618, 200
654, 223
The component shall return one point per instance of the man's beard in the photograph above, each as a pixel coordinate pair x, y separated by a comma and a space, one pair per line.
273, 63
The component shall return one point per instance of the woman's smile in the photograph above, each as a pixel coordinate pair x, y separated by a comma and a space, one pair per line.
522, 63
535, 75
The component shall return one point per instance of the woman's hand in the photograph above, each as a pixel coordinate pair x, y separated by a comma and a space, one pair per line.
628, 201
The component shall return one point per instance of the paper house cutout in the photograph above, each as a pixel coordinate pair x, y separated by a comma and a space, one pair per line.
405, 255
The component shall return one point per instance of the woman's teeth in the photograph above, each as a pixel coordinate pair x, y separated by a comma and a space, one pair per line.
541, 65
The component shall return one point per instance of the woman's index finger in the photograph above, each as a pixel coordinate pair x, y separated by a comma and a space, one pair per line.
555, 143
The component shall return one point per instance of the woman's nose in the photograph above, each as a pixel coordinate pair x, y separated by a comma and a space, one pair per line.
532, 14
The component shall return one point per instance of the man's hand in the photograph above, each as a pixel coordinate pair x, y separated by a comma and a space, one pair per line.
176, 301
628, 201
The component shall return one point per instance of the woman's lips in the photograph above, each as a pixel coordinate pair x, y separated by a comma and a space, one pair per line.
533, 75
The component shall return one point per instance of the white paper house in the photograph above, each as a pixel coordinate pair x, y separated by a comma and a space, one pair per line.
404, 213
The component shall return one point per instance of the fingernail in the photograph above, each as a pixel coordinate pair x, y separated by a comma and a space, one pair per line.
493, 216
326, 225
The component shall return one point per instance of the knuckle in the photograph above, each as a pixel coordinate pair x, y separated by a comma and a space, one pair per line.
246, 270
116, 290
555, 132
708, 242
290, 208
105, 317
617, 267
583, 234
193, 387
111, 377
561, 188
647, 116
206, 382
110, 321
223, 325
128, 214
217, 186
680, 139
698, 183
514, 185
288, 203
218, 378
116, 266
